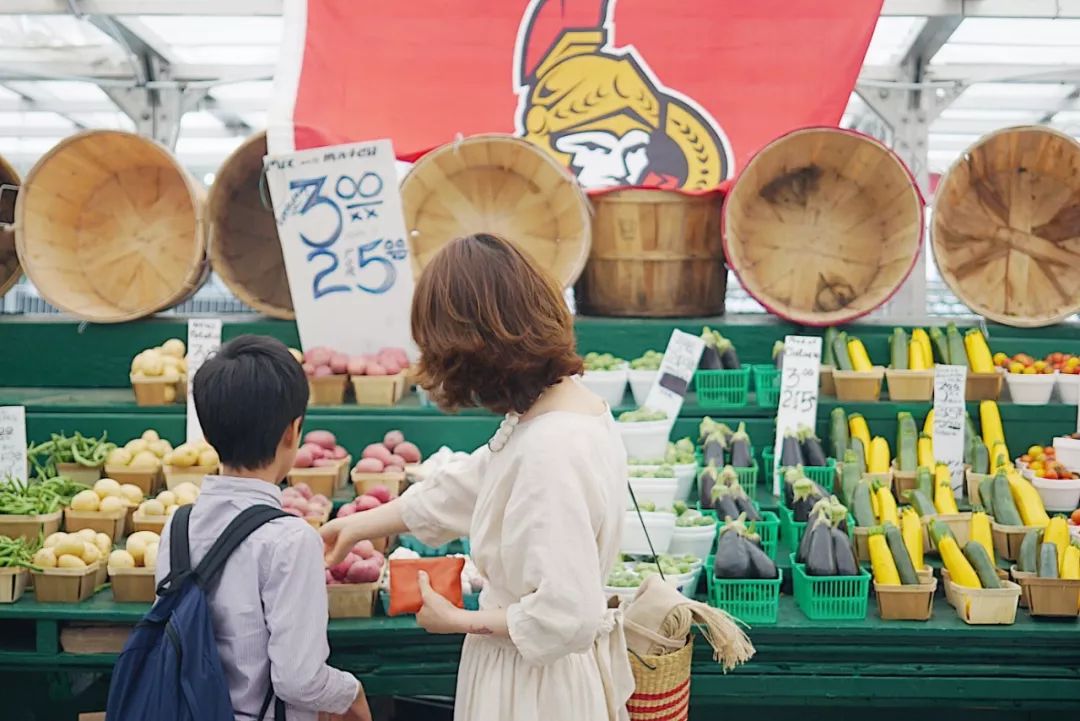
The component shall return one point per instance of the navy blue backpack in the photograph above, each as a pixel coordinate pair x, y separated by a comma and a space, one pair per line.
169, 669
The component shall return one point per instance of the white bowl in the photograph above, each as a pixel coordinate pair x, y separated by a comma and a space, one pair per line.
686, 583
641, 382
692, 540
661, 525
1058, 495
1068, 388
645, 441
660, 491
1030, 390
1067, 451
609, 385
684, 474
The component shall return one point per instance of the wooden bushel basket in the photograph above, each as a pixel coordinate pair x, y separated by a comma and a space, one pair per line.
242, 232
108, 227
655, 253
1006, 223
501, 185
823, 226
10, 270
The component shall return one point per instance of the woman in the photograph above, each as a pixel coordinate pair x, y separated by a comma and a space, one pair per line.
542, 502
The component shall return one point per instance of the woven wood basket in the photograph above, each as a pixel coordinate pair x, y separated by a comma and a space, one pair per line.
108, 228
244, 246
501, 185
10, 270
823, 226
655, 253
1006, 230
661, 685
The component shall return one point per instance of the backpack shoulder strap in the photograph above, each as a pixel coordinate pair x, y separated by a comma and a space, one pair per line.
179, 551
239, 528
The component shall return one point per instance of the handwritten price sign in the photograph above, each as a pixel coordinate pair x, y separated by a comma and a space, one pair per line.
203, 338
342, 234
949, 420
798, 390
681, 359
12, 443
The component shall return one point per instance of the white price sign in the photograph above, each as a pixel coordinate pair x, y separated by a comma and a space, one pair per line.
949, 422
799, 383
342, 233
12, 443
203, 338
681, 359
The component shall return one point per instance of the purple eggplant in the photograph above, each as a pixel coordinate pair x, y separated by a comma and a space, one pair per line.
761, 566
714, 449
710, 357
724, 503
820, 554
706, 482
744, 503
790, 451
732, 554
805, 495
740, 448
844, 554
728, 357
810, 444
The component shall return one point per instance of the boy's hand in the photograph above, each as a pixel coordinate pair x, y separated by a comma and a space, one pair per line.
437, 615
337, 540
359, 710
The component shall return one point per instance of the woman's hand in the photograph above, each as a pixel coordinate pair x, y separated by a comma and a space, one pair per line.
341, 534
438, 615
338, 536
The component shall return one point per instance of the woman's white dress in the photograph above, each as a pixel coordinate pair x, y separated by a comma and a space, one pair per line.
544, 518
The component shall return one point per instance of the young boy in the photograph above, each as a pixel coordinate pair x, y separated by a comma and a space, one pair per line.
269, 606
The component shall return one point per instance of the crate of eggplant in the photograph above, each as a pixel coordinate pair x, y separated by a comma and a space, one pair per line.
767, 378
802, 448
721, 446
720, 381
827, 581
799, 499
724, 498
743, 580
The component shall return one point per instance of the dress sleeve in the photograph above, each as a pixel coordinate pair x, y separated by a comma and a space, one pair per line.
549, 535
439, 509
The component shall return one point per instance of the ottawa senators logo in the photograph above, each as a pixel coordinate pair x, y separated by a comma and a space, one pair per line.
598, 108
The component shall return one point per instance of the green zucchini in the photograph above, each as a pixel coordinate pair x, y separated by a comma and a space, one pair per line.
1005, 511
860, 454
986, 494
907, 439
828, 357
900, 555
843, 358
941, 348
1048, 562
924, 481
861, 506
984, 567
957, 353
898, 349
838, 433
850, 475
922, 503
1028, 562
980, 457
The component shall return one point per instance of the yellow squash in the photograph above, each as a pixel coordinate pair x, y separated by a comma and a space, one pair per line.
920, 335
980, 532
911, 530
881, 560
925, 452
999, 456
944, 500
858, 429
1027, 500
990, 419
1057, 533
960, 569
978, 352
928, 424
860, 361
1070, 568
916, 357
886, 506
878, 460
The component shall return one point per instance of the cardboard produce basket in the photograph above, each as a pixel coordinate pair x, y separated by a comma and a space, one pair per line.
321, 480
973, 480
352, 600
327, 390
13, 583
316, 523
175, 475
906, 603
1021, 578
861, 538
958, 523
133, 585
1007, 539
158, 391
858, 385
111, 523
65, 585
925, 574
140, 522
149, 480
827, 384
80, 473
984, 386
378, 390
902, 481
30, 527
909, 385
984, 606
393, 480
1054, 597
344, 466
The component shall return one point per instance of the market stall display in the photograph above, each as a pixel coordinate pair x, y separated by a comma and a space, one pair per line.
16, 556
159, 374
642, 373
321, 463
131, 569
606, 376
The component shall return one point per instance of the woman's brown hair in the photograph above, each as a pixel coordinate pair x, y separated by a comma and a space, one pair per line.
493, 328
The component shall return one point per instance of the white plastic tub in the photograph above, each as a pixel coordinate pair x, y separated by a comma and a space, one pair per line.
692, 540
641, 382
1068, 388
645, 441
1058, 495
661, 527
609, 385
684, 474
660, 491
1030, 390
1067, 451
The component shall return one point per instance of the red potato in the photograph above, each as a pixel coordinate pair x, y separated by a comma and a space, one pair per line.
369, 465
290, 492
380, 492
392, 439
304, 459
299, 503
329, 576
363, 572
377, 450
339, 363
347, 510
397, 461
320, 500
294, 511
325, 463
339, 570
375, 369
366, 503
378, 558
364, 549
356, 365
339, 452
309, 370
321, 371
324, 439
398, 354
391, 365
318, 356
408, 451
304, 490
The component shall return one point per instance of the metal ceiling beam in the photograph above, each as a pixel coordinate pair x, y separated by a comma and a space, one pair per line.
51, 131
967, 73
25, 104
983, 8
243, 8
17, 65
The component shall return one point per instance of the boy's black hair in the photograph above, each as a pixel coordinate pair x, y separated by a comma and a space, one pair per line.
247, 394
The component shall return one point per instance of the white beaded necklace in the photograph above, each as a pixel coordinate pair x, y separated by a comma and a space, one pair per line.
506, 429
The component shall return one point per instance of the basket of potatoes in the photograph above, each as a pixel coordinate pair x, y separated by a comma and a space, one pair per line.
69, 566
102, 509
132, 568
159, 375
190, 463
139, 461
152, 514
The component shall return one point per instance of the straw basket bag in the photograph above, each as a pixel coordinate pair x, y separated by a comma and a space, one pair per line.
823, 226
9, 259
107, 227
501, 185
1006, 225
661, 685
244, 246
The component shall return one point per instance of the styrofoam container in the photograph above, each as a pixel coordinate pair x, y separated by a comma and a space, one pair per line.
1031, 390
692, 540
1068, 388
660, 491
609, 385
661, 526
684, 474
1058, 495
1067, 451
641, 382
685, 582
645, 441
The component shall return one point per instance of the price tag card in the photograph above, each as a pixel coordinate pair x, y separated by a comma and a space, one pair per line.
681, 359
203, 338
12, 443
799, 383
342, 234
949, 421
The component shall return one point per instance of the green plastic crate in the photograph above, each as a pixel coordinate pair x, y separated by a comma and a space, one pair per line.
830, 598
824, 476
790, 529
749, 600
768, 528
766, 385
748, 477
722, 388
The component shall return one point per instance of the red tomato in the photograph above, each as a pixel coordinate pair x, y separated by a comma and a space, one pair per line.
1076, 517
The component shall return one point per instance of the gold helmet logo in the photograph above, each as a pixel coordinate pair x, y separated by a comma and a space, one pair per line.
599, 110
